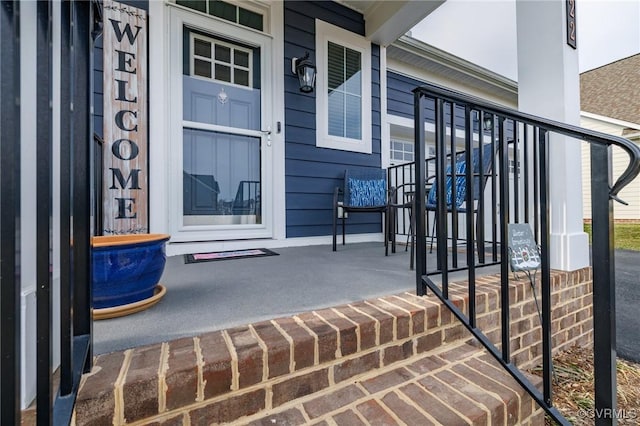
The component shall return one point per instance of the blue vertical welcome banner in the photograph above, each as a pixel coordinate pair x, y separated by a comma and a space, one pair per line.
125, 179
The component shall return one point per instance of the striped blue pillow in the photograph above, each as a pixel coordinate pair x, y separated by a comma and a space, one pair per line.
461, 189
367, 193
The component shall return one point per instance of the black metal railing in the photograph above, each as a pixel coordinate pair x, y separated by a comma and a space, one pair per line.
54, 404
519, 142
98, 173
9, 214
401, 178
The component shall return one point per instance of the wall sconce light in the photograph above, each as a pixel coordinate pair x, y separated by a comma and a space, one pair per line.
306, 72
487, 121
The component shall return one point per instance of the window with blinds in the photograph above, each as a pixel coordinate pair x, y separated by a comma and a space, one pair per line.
343, 89
344, 67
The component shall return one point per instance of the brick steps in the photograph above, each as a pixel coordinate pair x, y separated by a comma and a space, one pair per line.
457, 385
340, 365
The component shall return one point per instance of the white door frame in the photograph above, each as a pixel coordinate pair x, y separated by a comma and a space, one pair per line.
178, 18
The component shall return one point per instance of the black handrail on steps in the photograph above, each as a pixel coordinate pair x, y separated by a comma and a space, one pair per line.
522, 197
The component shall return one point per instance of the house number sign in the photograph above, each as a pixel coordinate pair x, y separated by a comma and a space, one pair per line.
571, 23
125, 182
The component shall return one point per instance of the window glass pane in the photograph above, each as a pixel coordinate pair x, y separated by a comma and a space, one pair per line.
222, 10
335, 66
223, 53
202, 68
223, 73
241, 58
354, 84
401, 150
353, 76
202, 48
353, 112
336, 114
200, 5
241, 77
250, 19
213, 192
345, 89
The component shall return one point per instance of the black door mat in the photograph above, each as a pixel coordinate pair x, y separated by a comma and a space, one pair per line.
225, 255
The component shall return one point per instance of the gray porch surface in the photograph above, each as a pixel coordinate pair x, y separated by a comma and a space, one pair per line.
209, 296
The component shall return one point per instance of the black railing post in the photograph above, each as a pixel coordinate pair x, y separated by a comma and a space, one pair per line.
494, 196
44, 299
454, 187
503, 164
419, 207
536, 184
470, 182
604, 284
516, 173
526, 172
76, 120
545, 265
81, 152
66, 301
441, 199
10, 353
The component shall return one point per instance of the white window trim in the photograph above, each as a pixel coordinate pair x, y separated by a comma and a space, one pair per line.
326, 32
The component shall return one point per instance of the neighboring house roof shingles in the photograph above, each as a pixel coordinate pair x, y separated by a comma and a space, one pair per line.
613, 90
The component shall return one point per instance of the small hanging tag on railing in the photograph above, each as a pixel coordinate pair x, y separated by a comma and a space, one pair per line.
523, 249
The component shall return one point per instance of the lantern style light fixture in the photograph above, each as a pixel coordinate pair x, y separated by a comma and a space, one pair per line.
488, 121
306, 72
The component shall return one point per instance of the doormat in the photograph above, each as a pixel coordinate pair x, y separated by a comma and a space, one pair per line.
224, 255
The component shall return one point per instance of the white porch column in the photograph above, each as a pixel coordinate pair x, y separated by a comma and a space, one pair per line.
549, 86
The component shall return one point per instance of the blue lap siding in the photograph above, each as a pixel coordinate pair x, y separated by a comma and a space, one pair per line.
312, 173
400, 99
400, 95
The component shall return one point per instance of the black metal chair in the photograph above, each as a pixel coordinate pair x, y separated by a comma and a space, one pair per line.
363, 191
455, 202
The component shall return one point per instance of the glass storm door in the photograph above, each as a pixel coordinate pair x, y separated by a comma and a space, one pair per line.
224, 147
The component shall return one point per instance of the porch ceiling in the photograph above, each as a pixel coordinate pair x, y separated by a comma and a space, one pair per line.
386, 21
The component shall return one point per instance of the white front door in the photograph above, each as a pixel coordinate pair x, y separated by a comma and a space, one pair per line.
220, 139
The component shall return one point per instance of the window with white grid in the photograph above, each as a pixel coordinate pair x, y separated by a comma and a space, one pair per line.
216, 60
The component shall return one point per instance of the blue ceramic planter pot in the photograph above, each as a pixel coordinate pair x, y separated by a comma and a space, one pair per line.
126, 268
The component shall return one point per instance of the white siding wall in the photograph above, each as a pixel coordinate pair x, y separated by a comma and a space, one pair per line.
630, 194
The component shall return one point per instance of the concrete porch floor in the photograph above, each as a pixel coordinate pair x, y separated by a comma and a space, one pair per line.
216, 295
